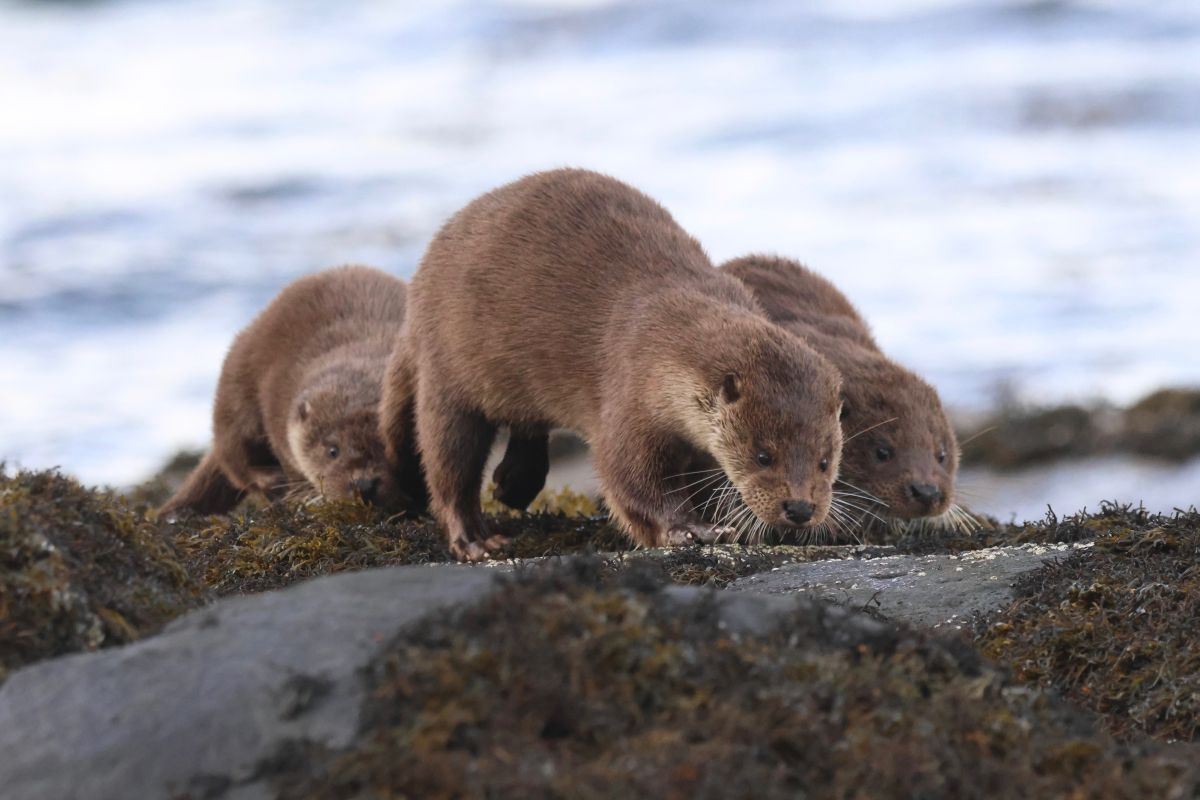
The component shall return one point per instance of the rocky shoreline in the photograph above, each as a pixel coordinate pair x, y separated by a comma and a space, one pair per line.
327, 651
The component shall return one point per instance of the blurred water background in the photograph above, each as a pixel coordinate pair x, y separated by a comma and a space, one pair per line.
1008, 190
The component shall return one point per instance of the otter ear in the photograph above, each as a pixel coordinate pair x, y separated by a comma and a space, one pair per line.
843, 408
302, 410
731, 388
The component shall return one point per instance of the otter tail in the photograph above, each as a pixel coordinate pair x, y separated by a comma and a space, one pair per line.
206, 490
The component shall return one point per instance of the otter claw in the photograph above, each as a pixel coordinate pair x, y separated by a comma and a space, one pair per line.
688, 534
493, 543
468, 551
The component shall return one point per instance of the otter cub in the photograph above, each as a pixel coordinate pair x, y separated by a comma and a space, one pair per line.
297, 400
900, 456
570, 299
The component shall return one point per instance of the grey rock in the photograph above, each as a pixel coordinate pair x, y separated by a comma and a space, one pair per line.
197, 708
935, 591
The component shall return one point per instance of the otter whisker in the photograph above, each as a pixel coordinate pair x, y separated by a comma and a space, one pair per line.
856, 507
864, 491
871, 428
697, 482
694, 472
733, 522
723, 497
704, 484
975, 436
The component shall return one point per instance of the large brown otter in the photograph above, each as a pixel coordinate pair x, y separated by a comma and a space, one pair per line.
900, 454
570, 299
899, 458
297, 400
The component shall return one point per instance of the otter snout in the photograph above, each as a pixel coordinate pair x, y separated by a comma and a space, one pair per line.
797, 512
927, 495
366, 488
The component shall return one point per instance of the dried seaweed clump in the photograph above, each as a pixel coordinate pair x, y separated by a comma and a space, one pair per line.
80, 569
1051, 529
562, 688
268, 548
1114, 628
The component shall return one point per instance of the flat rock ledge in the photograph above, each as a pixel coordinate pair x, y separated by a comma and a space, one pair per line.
200, 710
934, 591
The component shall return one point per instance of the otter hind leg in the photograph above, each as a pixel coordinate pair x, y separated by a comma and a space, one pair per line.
206, 490
521, 474
454, 444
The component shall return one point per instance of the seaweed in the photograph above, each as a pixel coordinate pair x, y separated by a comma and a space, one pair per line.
568, 685
1113, 627
81, 569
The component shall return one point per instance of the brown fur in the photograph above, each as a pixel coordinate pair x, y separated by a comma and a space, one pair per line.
875, 389
570, 299
297, 400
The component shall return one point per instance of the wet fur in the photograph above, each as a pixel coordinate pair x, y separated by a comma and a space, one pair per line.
305, 375
569, 299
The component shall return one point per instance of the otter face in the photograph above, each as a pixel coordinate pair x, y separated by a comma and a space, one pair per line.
779, 442
899, 448
338, 448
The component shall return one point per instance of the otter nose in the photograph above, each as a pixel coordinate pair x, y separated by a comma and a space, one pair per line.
367, 488
798, 511
926, 494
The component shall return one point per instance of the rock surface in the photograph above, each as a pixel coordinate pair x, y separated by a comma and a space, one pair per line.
196, 709
201, 709
937, 591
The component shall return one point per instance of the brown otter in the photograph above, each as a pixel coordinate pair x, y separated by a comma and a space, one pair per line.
570, 299
899, 457
297, 400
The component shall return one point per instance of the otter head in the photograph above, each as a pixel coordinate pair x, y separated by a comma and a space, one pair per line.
334, 438
899, 446
774, 429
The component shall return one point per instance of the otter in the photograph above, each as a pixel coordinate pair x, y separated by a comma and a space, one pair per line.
297, 400
900, 456
570, 299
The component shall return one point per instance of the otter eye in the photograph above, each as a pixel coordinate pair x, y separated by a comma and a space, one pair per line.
333, 451
764, 458
941, 456
824, 465
885, 453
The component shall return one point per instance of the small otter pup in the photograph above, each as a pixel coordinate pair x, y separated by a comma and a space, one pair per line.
297, 400
900, 456
570, 299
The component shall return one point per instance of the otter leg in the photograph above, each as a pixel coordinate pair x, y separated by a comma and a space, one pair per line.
454, 444
206, 490
521, 474
635, 472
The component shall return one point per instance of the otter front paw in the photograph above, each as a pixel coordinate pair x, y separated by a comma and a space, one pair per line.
474, 551
692, 533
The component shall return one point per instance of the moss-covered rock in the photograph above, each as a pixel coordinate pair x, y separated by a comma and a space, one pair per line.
80, 569
566, 686
1115, 628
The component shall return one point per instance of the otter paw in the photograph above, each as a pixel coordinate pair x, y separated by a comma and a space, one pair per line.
690, 533
496, 542
464, 550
